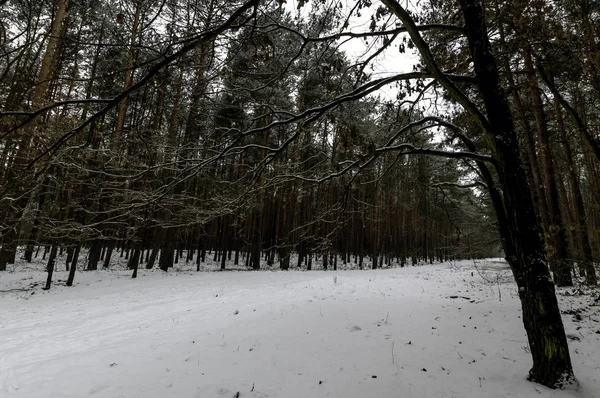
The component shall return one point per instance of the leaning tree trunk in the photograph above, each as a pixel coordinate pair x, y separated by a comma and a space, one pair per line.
73, 265
152, 259
50, 267
521, 236
519, 226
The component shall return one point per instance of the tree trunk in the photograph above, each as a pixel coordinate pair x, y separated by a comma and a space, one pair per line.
9, 249
94, 255
556, 235
167, 253
69, 257
131, 55
152, 258
73, 266
581, 229
134, 261
518, 224
50, 266
256, 241
28, 255
108, 254
521, 234
284, 259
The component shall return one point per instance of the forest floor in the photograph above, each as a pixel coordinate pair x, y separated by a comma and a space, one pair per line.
446, 330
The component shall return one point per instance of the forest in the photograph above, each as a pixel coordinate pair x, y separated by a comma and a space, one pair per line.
307, 135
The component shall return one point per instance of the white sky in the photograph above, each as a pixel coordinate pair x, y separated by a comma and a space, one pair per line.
389, 62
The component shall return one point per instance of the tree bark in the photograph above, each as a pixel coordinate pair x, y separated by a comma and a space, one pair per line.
131, 55
152, 258
73, 266
94, 255
50, 266
581, 229
108, 254
167, 252
520, 231
521, 236
555, 232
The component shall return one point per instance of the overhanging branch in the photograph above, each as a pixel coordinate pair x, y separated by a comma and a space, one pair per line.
411, 149
414, 33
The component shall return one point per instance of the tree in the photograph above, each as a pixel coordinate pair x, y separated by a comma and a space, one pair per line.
518, 224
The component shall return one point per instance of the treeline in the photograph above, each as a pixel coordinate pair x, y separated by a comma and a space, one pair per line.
163, 126
219, 150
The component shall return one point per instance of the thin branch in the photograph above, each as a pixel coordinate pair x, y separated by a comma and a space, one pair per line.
358, 35
590, 139
432, 66
411, 149
206, 36
33, 114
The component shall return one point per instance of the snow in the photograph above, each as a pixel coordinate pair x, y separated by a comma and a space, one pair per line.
447, 330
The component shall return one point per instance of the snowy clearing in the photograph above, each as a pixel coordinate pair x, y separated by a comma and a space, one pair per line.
448, 330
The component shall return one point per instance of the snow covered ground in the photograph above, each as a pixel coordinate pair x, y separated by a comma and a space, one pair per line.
449, 330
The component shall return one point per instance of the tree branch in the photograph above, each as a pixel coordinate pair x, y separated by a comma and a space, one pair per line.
358, 35
205, 36
411, 149
425, 51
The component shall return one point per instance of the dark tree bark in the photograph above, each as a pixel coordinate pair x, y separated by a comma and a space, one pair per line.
28, 255
108, 254
581, 230
69, 257
73, 266
136, 265
94, 255
9, 249
256, 241
521, 236
50, 266
167, 253
555, 231
519, 227
152, 258
134, 262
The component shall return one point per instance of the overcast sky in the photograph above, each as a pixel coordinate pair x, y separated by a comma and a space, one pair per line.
389, 62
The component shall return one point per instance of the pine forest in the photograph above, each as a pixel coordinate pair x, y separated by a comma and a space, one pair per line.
147, 137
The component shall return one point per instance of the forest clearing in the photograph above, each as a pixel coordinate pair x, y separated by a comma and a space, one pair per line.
444, 330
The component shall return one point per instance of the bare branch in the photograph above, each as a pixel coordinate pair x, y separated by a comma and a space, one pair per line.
205, 36
411, 149
432, 66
